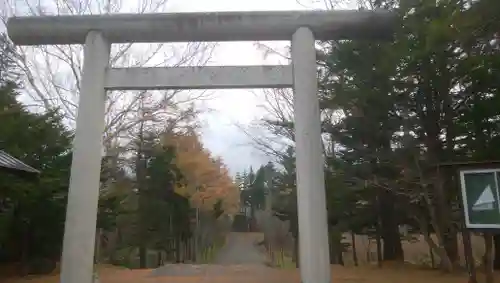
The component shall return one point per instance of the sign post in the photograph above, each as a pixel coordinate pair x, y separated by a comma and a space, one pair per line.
480, 195
481, 198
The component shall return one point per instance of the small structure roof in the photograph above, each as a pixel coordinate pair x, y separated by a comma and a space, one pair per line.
9, 163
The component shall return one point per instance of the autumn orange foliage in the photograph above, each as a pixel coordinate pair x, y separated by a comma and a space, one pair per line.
207, 178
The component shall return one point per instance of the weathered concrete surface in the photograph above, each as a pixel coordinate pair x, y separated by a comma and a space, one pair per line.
214, 26
206, 77
80, 226
311, 204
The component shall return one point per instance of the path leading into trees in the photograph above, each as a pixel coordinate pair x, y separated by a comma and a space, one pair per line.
239, 260
241, 248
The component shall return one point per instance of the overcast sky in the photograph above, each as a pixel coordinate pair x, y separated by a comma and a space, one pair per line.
236, 107
231, 107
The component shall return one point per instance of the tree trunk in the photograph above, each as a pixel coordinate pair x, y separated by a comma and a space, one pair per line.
443, 215
496, 262
296, 252
451, 245
446, 264
378, 236
177, 249
488, 257
340, 256
392, 248
294, 228
159, 258
143, 261
369, 250
379, 246
440, 206
25, 249
433, 260
97, 247
354, 251
141, 183
469, 257
335, 247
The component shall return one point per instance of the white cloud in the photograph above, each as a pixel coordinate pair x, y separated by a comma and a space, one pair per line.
235, 107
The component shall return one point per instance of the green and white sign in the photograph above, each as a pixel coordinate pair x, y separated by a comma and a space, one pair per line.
481, 196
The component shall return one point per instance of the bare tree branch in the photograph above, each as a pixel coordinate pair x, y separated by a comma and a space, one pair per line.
53, 73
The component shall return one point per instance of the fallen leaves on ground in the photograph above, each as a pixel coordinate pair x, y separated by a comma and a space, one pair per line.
368, 274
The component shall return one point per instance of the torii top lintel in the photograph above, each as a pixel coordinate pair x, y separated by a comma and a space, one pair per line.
201, 27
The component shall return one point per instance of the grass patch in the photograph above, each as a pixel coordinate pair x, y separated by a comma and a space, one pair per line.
208, 255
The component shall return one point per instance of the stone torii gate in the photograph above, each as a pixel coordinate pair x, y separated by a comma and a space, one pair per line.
98, 32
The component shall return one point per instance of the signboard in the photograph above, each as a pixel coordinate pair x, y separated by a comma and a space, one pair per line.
481, 196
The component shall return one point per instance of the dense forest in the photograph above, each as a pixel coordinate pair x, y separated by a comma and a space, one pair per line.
163, 196
399, 119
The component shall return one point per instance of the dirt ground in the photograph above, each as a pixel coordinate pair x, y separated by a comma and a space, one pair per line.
252, 274
249, 268
416, 251
241, 248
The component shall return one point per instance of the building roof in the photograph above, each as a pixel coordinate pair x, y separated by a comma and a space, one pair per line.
7, 162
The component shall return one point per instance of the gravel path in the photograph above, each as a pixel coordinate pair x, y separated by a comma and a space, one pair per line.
238, 256
240, 248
